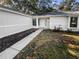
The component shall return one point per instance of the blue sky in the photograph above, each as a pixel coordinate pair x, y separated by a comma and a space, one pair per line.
62, 0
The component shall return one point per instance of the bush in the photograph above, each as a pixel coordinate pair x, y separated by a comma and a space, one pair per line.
57, 29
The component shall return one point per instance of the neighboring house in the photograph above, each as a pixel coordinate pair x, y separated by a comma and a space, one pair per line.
57, 20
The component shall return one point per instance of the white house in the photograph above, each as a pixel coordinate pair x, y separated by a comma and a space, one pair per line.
12, 22
63, 20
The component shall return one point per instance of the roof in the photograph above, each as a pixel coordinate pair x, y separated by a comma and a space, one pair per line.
72, 13
55, 13
59, 13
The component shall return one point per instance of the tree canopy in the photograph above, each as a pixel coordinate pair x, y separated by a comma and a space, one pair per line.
36, 6
68, 5
22, 5
42, 6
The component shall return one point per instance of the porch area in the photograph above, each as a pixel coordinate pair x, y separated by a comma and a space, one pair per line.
41, 22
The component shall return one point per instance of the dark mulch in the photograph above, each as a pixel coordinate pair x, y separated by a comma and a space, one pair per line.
7, 41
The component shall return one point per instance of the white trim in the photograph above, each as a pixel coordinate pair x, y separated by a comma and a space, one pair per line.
69, 22
37, 22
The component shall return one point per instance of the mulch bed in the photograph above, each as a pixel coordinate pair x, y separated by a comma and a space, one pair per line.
8, 41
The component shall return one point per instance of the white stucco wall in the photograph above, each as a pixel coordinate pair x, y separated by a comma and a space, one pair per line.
11, 23
59, 21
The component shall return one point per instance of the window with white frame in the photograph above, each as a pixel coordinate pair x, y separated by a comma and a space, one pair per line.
73, 21
34, 21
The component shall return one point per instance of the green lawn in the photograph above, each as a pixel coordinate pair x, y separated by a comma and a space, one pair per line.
49, 45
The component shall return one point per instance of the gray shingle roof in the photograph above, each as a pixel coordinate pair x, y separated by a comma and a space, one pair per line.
52, 13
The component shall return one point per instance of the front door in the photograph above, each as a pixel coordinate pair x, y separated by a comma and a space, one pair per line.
44, 23
47, 21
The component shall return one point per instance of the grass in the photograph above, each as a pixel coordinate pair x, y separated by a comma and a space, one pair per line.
49, 45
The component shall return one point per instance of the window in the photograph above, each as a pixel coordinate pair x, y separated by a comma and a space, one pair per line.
73, 21
38, 21
34, 22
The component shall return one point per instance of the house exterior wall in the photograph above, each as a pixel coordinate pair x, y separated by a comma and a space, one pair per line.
58, 21
11, 23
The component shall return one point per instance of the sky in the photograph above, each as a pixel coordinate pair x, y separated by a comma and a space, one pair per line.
62, 0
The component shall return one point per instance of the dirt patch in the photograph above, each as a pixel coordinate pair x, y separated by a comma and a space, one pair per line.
47, 45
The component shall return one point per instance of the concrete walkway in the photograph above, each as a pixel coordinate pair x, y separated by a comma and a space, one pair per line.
12, 51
